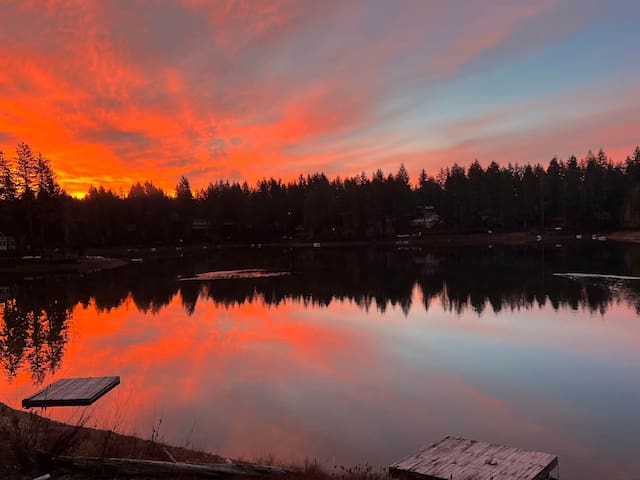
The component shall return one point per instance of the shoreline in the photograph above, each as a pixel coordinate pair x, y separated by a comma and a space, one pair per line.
83, 265
434, 240
439, 239
115, 257
32, 445
26, 435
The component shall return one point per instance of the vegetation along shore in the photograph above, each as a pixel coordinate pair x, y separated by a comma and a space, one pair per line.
588, 195
32, 445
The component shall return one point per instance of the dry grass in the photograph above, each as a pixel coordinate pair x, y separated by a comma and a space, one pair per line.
29, 440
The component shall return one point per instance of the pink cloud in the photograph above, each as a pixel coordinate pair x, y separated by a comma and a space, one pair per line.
240, 89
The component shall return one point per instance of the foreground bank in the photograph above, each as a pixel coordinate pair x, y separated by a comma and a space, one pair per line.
32, 445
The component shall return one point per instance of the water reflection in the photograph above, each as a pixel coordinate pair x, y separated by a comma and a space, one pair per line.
35, 314
358, 355
33, 332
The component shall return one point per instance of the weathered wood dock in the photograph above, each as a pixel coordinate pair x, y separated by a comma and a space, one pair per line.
454, 458
68, 392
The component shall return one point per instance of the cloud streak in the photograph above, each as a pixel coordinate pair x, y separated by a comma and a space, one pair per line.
135, 90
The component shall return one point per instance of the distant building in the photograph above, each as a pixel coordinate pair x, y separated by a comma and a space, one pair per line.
7, 243
5, 293
200, 224
201, 230
425, 217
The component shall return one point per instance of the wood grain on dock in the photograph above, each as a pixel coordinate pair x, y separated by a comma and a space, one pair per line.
454, 458
69, 392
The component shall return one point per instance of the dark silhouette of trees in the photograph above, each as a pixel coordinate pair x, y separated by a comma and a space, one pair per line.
33, 330
184, 198
8, 189
591, 194
30, 197
631, 215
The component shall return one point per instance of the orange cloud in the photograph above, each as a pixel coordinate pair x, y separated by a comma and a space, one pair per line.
115, 93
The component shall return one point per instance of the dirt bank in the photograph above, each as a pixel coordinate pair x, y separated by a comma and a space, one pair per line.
23, 434
32, 445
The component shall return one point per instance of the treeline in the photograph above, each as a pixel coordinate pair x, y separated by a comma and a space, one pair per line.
590, 194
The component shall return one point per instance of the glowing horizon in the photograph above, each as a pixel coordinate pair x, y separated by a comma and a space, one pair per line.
119, 92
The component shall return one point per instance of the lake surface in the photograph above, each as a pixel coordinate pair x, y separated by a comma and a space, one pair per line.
356, 356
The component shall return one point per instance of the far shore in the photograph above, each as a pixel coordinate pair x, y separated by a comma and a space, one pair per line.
82, 265
550, 238
114, 257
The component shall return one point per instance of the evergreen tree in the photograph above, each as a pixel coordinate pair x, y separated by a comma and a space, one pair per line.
592, 194
183, 190
184, 197
46, 183
25, 165
8, 190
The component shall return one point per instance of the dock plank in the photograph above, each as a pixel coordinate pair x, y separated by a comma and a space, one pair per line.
68, 392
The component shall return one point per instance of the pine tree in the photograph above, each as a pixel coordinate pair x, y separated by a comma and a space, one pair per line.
183, 189
25, 169
184, 197
402, 176
7, 182
422, 179
45, 178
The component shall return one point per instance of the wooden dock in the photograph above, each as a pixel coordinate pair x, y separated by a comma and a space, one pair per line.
68, 392
454, 458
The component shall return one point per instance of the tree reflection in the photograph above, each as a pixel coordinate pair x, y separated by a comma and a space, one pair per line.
34, 333
35, 317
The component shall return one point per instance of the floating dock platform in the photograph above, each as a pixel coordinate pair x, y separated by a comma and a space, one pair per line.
454, 458
70, 392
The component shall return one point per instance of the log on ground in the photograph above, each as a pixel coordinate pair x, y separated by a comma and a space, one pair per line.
134, 467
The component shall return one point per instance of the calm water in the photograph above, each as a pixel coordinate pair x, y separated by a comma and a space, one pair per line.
357, 356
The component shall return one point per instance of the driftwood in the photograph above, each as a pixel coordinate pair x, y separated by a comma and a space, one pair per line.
133, 467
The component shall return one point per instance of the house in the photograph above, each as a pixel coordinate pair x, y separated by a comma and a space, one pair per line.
201, 230
425, 217
200, 224
7, 243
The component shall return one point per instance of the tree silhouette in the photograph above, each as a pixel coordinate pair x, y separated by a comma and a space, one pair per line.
592, 194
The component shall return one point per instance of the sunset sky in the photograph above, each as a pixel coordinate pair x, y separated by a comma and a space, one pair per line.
119, 91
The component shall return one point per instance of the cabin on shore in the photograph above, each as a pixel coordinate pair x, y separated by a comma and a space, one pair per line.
454, 458
425, 217
7, 243
5, 293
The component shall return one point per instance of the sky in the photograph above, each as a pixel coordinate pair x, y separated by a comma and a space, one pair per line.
117, 91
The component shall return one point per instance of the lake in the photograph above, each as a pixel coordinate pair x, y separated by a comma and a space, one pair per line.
353, 356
